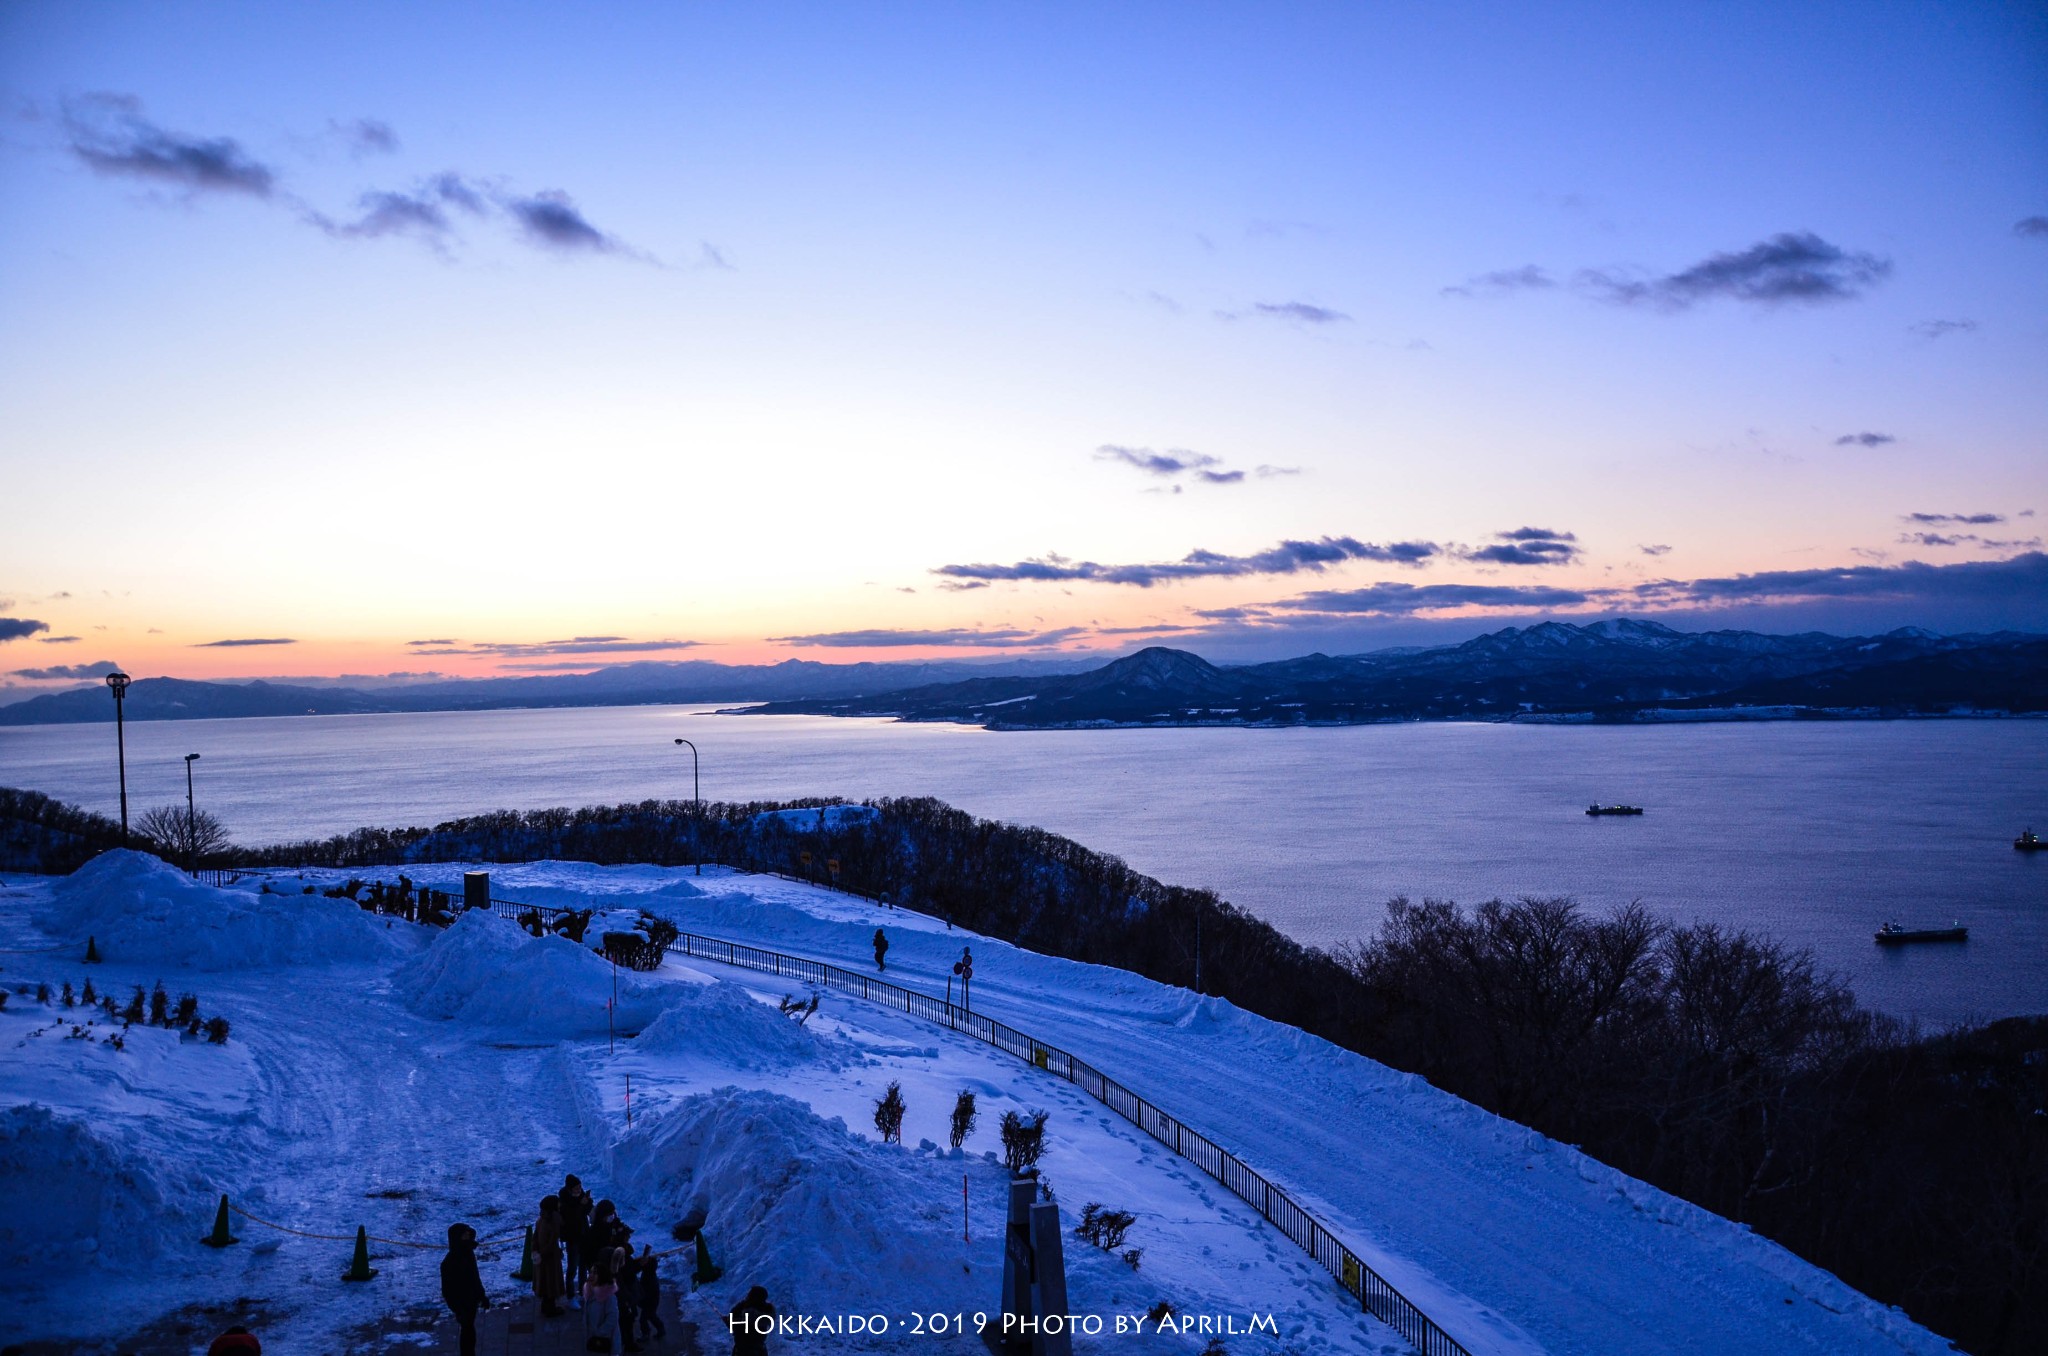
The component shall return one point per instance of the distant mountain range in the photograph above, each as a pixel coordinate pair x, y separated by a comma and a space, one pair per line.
638, 684
1617, 670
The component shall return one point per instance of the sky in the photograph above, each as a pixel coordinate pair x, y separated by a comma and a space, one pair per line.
409, 338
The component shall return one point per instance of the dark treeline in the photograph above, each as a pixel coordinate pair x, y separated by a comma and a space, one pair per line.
46, 836
1715, 1064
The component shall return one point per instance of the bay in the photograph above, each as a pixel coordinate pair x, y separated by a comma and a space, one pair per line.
1813, 833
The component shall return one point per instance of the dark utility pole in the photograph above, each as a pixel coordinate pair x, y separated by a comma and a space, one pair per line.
696, 803
191, 818
118, 682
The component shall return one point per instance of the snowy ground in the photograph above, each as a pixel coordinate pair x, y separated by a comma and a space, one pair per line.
384, 1074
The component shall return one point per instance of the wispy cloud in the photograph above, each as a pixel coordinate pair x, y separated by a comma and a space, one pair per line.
1937, 329
531, 649
15, 628
59, 640
1968, 539
2031, 226
1528, 546
57, 671
1175, 463
1289, 557
1501, 282
1298, 312
1959, 519
242, 641
1796, 267
1656, 550
1911, 581
1865, 439
367, 136
109, 133
1391, 599
886, 638
553, 220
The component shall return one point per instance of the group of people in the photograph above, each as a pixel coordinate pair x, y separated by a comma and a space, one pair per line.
583, 1250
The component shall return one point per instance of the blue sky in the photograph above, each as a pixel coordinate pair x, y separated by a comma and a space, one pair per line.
858, 331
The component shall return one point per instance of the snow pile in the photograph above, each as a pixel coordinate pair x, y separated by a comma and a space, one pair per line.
829, 1222
136, 907
68, 1194
821, 817
723, 1023
488, 971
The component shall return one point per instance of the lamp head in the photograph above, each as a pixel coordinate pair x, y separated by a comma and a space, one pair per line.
118, 681
190, 756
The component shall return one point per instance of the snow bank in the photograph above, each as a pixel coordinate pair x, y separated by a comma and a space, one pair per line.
138, 908
68, 1194
721, 1022
487, 971
828, 1221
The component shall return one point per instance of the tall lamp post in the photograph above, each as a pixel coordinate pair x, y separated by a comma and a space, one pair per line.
696, 802
191, 817
117, 681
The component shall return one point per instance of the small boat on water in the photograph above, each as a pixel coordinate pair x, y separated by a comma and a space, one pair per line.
1891, 934
1596, 808
2029, 842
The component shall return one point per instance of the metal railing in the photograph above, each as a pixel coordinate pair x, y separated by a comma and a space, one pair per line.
1375, 1294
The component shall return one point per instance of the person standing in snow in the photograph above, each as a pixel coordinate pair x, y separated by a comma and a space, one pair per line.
461, 1287
881, 949
649, 1277
575, 1222
547, 1257
599, 1311
626, 1272
749, 1322
597, 1238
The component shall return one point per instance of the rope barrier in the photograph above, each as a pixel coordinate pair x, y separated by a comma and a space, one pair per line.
482, 1244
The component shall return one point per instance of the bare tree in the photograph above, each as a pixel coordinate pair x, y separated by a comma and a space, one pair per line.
181, 835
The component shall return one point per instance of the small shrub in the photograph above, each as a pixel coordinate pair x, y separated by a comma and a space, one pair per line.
117, 1040
1215, 1348
798, 1008
42, 992
159, 1006
134, 1011
659, 931
572, 924
3, 1000
70, 999
964, 1117
88, 997
1160, 1312
188, 1009
217, 1030
108, 1006
1104, 1228
1131, 1256
1023, 1139
889, 1114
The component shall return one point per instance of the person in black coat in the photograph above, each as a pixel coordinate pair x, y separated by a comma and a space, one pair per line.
749, 1323
650, 1295
575, 1222
628, 1272
881, 950
461, 1287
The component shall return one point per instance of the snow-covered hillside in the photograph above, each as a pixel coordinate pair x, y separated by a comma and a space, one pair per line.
385, 1074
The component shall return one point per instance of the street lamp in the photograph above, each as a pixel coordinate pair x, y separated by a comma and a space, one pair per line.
191, 817
696, 801
118, 682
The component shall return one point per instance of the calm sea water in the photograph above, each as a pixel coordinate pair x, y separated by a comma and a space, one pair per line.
1812, 833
